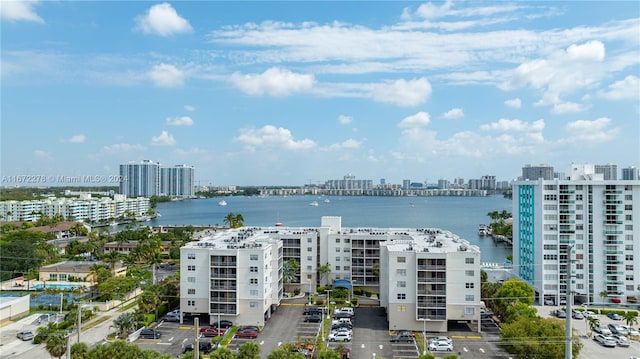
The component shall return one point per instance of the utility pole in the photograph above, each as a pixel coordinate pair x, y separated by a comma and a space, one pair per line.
196, 346
568, 349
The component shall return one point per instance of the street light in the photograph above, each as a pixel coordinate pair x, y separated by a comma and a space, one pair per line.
80, 318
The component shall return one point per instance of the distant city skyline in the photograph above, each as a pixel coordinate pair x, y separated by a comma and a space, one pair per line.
291, 93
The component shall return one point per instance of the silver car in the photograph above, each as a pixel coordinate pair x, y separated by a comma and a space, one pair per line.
25, 335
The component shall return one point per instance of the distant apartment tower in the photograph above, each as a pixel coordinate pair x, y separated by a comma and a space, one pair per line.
177, 181
609, 171
443, 184
599, 218
488, 182
533, 173
406, 184
630, 174
349, 185
140, 179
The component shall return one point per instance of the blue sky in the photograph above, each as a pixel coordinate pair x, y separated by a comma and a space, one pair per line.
291, 93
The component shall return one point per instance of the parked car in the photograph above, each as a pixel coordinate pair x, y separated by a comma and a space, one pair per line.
621, 340
588, 314
602, 329
632, 332
563, 301
344, 310
314, 318
485, 313
150, 334
440, 347
312, 310
549, 302
172, 317
405, 332
25, 335
617, 329
252, 327
246, 333
560, 313
400, 338
616, 300
605, 341
211, 331
339, 337
223, 324
614, 316
343, 315
576, 314
341, 325
447, 340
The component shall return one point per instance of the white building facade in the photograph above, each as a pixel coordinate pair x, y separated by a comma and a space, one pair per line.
599, 219
177, 181
212, 267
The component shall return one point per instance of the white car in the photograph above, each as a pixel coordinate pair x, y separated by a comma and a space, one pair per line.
602, 329
444, 339
342, 330
621, 340
440, 347
339, 337
631, 331
605, 341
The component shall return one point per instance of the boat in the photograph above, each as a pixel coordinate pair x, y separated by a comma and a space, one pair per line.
279, 224
326, 200
484, 230
314, 204
222, 203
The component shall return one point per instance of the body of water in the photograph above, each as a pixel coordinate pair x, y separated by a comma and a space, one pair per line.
460, 215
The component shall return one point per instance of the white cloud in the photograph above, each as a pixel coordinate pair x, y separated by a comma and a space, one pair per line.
402, 92
20, 10
179, 121
189, 108
513, 103
345, 120
584, 131
271, 137
76, 139
42, 154
506, 125
629, 88
591, 51
164, 139
560, 108
453, 114
273, 82
348, 144
419, 119
122, 147
163, 20
164, 75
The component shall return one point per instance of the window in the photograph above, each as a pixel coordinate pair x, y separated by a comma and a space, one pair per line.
469, 298
309, 267
309, 276
401, 272
309, 258
191, 303
309, 240
347, 267
337, 250
253, 269
401, 308
337, 267
469, 273
191, 268
309, 249
253, 304
402, 259
402, 296
63, 276
191, 291
253, 257
253, 293
337, 240
191, 279
469, 285
337, 258
347, 259
347, 240
253, 281
402, 284
469, 260
53, 276
469, 310
345, 249
191, 256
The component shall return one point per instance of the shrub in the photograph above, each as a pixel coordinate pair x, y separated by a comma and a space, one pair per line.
358, 291
368, 293
354, 301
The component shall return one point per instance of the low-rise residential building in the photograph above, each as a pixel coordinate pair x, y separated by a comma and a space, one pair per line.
365, 257
76, 271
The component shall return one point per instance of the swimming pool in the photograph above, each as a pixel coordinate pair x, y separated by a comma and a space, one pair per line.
56, 286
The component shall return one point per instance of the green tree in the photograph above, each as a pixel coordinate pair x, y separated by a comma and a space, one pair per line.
537, 338
427, 356
604, 295
112, 257
592, 323
328, 354
125, 324
249, 350
290, 270
512, 291
285, 353
122, 350
222, 353
234, 220
519, 310
631, 318
149, 300
323, 271
56, 345
79, 350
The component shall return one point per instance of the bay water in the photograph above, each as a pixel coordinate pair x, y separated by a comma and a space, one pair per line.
460, 215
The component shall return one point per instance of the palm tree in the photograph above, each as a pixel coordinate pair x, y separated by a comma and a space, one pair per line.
148, 300
234, 220
79, 350
592, 322
249, 350
112, 257
125, 323
222, 353
290, 270
323, 270
604, 295
630, 318
57, 345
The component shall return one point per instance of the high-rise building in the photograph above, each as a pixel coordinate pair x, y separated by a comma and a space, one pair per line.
541, 171
599, 219
609, 171
140, 179
630, 174
488, 182
406, 184
177, 181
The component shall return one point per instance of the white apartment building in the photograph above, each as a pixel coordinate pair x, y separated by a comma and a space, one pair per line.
599, 218
256, 255
177, 181
140, 179
85, 208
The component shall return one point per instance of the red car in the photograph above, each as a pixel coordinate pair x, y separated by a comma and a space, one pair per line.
616, 300
211, 332
246, 333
